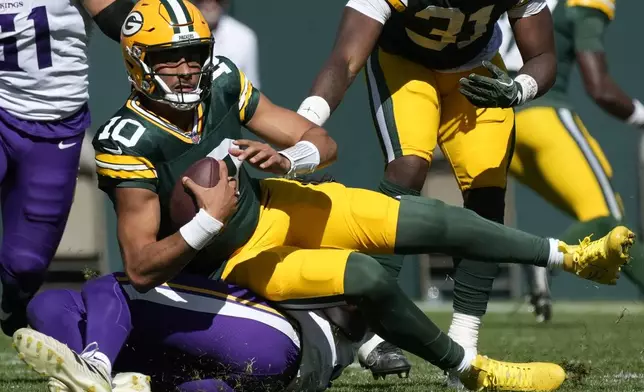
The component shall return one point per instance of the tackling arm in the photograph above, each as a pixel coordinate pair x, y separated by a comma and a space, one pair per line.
589, 25
534, 36
148, 262
109, 15
360, 27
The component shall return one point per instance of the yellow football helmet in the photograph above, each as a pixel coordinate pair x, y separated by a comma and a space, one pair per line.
155, 26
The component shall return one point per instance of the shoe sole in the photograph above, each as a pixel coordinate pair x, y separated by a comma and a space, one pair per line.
41, 354
400, 371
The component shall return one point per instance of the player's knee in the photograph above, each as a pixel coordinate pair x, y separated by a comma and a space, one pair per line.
51, 307
407, 174
106, 290
488, 202
366, 279
26, 264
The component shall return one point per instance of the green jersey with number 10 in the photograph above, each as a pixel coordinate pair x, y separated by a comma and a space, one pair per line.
139, 149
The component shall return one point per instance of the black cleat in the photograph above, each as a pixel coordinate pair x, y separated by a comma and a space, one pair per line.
541, 307
387, 359
13, 311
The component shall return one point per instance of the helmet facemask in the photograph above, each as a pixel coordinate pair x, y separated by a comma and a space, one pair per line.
184, 95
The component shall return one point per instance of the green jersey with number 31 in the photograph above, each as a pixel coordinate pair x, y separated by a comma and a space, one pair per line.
442, 34
139, 149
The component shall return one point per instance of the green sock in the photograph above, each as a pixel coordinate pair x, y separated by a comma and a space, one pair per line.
473, 279
394, 316
431, 226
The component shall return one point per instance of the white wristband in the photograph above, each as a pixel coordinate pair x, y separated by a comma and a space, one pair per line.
200, 230
529, 88
637, 118
315, 109
304, 157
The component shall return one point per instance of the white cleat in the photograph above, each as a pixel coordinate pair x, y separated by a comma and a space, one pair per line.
122, 382
131, 382
49, 357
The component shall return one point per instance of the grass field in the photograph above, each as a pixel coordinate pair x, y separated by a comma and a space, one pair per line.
602, 344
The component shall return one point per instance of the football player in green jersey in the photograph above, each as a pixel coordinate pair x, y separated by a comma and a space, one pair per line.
292, 243
556, 156
435, 78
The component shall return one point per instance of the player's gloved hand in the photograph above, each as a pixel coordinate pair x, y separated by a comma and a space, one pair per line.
261, 155
220, 201
498, 91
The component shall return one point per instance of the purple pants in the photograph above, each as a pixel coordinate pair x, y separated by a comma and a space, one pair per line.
193, 334
38, 169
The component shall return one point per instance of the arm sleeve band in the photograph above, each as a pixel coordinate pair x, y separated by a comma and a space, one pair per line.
375, 9
111, 18
589, 27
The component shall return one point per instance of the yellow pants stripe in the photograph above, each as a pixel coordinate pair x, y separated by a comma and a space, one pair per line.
568, 120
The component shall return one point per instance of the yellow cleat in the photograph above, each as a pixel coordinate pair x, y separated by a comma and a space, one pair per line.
600, 260
490, 375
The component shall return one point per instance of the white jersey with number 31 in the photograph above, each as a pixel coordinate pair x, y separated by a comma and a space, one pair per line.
509, 51
43, 58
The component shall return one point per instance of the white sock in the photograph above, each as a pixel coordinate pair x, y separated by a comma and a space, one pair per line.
540, 280
466, 363
370, 342
97, 358
555, 258
465, 330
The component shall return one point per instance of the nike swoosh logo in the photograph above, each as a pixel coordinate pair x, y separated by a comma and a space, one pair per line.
115, 152
509, 84
63, 146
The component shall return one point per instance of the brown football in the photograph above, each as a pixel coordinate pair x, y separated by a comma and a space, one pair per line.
183, 206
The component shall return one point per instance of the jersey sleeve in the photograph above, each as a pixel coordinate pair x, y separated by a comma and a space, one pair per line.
606, 7
378, 10
589, 27
237, 88
119, 163
525, 8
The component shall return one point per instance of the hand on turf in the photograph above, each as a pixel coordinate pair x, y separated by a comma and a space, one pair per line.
220, 201
260, 155
498, 91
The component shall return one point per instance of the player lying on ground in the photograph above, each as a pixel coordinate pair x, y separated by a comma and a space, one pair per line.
556, 155
288, 242
43, 118
192, 334
435, 77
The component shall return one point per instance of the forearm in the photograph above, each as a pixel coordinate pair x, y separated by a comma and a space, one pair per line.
326, 146
589, 30
328, 90
360, 27
543, 70
333, 81
109, 15
158, 262
610, 97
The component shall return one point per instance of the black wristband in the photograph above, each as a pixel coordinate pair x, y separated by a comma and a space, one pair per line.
111, 18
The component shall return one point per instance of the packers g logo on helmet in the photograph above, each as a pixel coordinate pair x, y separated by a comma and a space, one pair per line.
132, 24
154, 26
